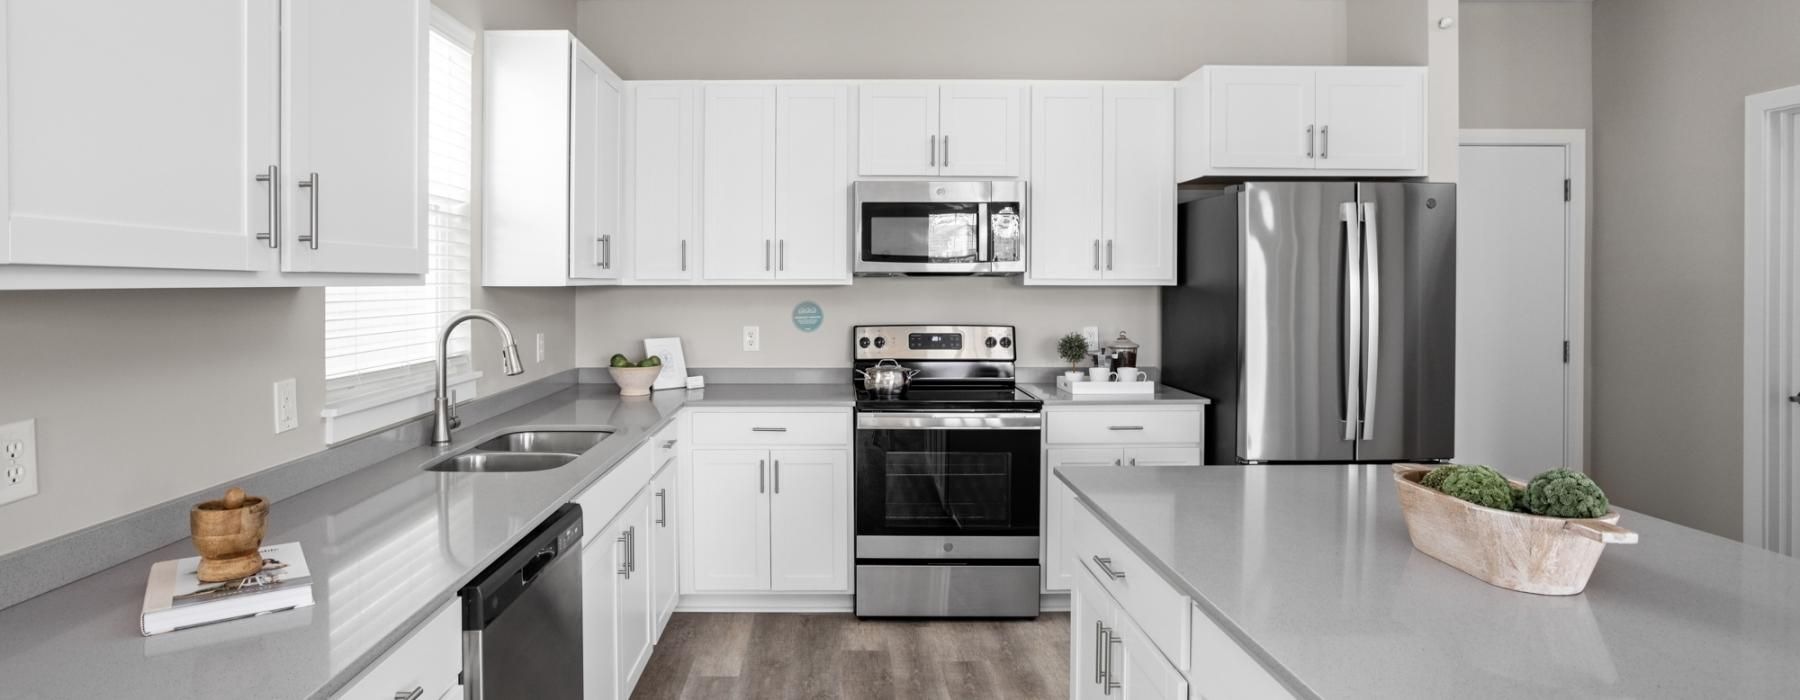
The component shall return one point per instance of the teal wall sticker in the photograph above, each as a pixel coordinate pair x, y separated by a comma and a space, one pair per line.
808, 316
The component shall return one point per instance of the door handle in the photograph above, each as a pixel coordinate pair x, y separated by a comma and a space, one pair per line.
311, 237
778, 476
604, 251
1794, 399
417, 692
781, 255
684, 255
625, 557
662, 507
1099, 647
768, 430
273, 177
1112, 682
1096, 254
933, 162
1124, 427
1372, 318
1105, 564
1325, 137
762, 476
1310, 142
1109, 255
946, 150
766, 255
1352, 319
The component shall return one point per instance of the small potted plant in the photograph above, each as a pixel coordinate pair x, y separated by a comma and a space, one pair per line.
1073, 349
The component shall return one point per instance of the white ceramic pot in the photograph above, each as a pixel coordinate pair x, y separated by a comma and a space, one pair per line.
634, 381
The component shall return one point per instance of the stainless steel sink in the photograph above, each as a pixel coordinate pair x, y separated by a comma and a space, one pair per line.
477, 461
572, 442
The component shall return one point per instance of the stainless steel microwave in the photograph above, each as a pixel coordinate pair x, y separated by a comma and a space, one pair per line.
940, 227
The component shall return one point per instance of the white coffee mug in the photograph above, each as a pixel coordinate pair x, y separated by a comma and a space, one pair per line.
1131, 374
1100, 374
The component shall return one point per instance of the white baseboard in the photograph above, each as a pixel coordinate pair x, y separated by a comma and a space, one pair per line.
1053, 602
767, 602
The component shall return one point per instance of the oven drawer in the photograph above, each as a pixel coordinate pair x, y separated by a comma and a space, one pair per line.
773, 429
1130, 427
1160, 610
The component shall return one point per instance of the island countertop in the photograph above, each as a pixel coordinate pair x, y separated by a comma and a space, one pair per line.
1311, 570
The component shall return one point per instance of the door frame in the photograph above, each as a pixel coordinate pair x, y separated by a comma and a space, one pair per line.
1575, 268
1771, 225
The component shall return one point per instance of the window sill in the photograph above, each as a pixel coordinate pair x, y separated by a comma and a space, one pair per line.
363, 414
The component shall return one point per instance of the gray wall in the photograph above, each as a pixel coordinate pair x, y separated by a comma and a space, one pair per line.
1527, 65
1670, 78
123, 384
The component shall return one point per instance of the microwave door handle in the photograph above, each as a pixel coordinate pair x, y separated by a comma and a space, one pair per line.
983, 235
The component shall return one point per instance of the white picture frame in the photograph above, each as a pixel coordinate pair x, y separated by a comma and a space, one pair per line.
674, 373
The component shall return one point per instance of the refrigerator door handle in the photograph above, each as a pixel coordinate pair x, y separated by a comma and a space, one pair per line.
1350, 214
1372, 318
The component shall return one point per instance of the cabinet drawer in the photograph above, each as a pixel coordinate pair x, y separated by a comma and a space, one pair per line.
1138, 427
602, 500
429, 660
664, 444
1219, 668
771, 429
1154, 605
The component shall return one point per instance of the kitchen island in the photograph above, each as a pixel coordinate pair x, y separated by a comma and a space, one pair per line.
1309, 573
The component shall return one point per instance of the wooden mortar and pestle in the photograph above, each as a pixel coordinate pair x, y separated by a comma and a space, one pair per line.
228, 533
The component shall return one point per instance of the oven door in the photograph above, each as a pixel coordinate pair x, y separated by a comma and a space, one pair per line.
966, 480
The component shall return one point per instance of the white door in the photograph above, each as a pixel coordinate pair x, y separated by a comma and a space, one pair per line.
355, 151
898, 129
1059, 509
595, 167
738, 199
665, 582
1261, 117
730, 525
1512, 238
119, 155
1066, 182
635, 620
1090, 617
812, 182
809, 520
601, 558
660, 183
979, 128
1140, 184
1371, 118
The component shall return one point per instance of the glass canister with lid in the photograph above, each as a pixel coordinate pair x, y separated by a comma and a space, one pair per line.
1124, 351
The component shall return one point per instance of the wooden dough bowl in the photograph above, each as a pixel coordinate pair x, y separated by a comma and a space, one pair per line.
1516, 551
228, 534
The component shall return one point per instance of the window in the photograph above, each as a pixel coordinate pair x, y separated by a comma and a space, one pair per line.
381, 342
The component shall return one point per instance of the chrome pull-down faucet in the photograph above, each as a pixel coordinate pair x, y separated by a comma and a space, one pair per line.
444, 406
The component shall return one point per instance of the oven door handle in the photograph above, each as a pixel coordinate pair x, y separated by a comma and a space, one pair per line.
949, 421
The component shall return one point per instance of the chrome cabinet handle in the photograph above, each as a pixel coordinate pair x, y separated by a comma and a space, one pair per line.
625, 558
762, 476
1096, 253
273, 177
605, 252
668, 444
1109, 255
662, 507
1112, 682
684, 255
778, 476
765, 256
781, 255
1134, 461
946, 150
311, 237
1325, 136
1310, 142
768, 430
1371, 318
1099, 646
631, 547
933, 150
1116, 463
1105, 564
1124, 427
417, 692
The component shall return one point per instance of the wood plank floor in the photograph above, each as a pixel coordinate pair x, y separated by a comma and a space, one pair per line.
767, 655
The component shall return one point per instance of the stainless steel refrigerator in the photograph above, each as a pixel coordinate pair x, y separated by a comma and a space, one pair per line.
1320, 317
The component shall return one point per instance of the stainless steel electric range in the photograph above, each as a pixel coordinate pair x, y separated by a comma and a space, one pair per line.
947, 477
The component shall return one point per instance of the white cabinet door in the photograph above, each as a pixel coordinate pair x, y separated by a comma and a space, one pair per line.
812, 183
809, 520
1140, 184
1261, 117
1090, 617
1138, 667
634, 604
1371, 118
898, 129
355, 149
729, 528
1066, 183
119, 153
1059, 509
601, 559
980, 128
661, 185
738, 201
595, 167
665, 582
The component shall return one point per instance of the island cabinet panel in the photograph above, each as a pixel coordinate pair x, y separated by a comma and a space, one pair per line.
1157, 607
426, 664
1219, 668
1141, 670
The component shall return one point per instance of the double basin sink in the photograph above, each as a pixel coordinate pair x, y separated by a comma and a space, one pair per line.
523, 451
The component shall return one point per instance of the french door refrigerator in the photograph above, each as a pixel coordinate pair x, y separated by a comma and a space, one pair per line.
1320, 317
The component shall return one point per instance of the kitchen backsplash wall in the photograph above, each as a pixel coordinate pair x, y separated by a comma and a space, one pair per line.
710, 320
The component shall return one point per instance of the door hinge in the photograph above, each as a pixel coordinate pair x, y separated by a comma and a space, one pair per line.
1565, 352
1568, 190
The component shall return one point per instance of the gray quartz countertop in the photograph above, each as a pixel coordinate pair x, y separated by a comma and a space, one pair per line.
1311, 569
387, 546
1163, 395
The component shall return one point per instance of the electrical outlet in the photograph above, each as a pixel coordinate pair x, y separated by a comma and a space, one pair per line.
752, 338
287, 410
540, 353
1092, 334
18, 460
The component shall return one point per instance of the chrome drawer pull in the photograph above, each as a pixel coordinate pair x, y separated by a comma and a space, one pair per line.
1099, 645
768, 430
1124, 427
1105, 564
418, 691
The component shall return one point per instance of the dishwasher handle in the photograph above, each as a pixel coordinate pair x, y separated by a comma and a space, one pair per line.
536, 565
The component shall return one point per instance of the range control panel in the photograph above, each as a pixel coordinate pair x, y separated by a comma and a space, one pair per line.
933, 343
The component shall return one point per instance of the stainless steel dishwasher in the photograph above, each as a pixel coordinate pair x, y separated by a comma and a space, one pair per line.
522, 617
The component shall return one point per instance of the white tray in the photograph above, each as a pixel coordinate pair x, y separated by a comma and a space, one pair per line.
1104, 388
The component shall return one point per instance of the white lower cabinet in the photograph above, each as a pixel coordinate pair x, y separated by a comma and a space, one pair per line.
623, 577
634, 605
728, 535
427, 664
665, 581
1109, 656
599, 613
770, 520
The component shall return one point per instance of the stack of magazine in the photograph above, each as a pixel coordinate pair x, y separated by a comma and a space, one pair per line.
175, 599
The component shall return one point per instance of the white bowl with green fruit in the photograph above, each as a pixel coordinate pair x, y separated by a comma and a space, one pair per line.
634, 378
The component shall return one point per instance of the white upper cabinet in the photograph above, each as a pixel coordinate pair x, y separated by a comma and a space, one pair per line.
812, 183
355, 147
739, 175
1301, 120
553, 162
662, 184
951, 129
1103, 184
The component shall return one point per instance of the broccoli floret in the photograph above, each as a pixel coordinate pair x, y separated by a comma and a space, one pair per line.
1479, 485
1565, 494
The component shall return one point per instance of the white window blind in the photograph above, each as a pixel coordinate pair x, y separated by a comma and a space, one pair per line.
383, 340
